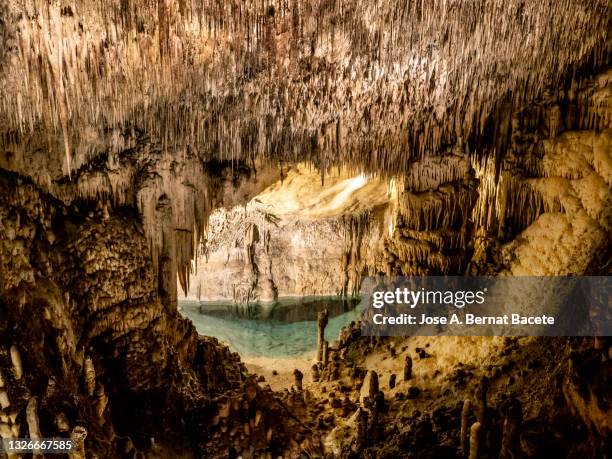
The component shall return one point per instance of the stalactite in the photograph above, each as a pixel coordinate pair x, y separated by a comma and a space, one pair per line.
356, 228
199, 75
16, 361
507, 203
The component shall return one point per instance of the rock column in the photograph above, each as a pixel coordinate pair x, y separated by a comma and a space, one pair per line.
322, 319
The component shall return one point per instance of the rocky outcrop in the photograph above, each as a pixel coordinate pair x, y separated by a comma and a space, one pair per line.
87, 341
544, 210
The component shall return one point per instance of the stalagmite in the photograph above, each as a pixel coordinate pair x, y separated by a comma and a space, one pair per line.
322, 319
78, 436
298, 377
481, 400
16, 360
325, 357
464, 433
474, 440
32, 420
89, 376
362, 429
4, 400
369, 388
408, 368
101, 401
315, 372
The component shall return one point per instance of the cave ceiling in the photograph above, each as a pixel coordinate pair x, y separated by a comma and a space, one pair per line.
369, 84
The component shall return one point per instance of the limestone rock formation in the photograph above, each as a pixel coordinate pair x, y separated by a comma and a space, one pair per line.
157, 145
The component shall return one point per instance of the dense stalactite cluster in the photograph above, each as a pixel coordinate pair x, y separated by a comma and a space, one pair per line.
132, 99
341, 81
555, 175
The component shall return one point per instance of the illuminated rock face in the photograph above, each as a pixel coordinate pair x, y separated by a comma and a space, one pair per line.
543, 210
313, 238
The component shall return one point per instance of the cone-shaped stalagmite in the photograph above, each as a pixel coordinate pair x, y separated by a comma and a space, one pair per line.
369, 389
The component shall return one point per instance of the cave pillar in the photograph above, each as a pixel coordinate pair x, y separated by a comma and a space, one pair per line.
322, 319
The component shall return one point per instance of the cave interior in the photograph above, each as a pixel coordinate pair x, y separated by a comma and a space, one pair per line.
244, 151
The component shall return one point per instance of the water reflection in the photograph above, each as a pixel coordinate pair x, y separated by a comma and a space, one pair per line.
288, 310
283, 329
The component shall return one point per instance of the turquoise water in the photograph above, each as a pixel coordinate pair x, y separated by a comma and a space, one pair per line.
287, 328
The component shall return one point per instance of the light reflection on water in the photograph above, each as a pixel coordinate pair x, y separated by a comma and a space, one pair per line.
287, 328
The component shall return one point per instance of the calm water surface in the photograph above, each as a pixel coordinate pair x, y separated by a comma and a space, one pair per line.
287, 328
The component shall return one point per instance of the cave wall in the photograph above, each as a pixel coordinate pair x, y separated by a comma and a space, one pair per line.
543, 210
91, 346
303, 235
